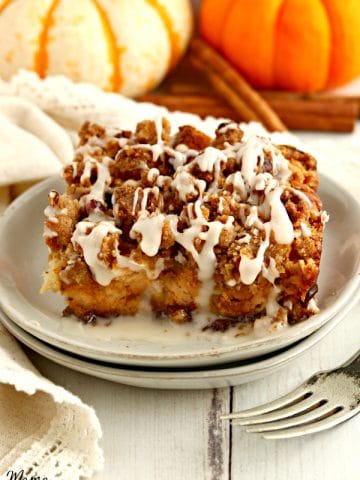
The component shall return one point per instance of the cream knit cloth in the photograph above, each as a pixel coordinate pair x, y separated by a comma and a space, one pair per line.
45, 430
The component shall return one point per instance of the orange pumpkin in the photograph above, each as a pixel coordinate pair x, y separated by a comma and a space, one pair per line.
300, 45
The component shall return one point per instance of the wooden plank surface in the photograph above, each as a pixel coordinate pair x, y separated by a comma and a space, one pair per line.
330, 455
153, 434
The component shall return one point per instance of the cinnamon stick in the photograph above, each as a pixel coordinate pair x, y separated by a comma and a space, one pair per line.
329, 107
286, 95
203, 90
219, 72
182, 88
319, 123
223, 89
300, 114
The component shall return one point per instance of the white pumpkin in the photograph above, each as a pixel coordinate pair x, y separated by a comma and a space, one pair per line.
120, 45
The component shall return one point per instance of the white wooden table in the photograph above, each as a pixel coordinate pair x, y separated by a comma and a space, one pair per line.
177, 435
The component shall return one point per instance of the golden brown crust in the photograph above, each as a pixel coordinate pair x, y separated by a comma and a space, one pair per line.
192, 138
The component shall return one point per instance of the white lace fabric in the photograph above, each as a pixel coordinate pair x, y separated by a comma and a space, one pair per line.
45, 430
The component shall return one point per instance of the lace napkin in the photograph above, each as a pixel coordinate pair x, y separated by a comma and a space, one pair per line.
45, 430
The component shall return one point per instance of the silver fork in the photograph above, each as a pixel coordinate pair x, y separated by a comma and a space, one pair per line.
325, 400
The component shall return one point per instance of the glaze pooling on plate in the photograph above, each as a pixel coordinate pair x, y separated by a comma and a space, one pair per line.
206, 377
202, 229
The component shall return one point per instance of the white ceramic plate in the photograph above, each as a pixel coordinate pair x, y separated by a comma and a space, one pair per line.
210, 377
23, 256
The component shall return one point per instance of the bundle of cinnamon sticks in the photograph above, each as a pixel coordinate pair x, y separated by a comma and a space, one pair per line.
237, 100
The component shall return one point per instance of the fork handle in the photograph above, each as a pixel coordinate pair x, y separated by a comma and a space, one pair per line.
353, 364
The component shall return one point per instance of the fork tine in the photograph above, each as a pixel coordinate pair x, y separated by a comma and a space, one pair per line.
280, 413
296, 394
313, 415
315, 427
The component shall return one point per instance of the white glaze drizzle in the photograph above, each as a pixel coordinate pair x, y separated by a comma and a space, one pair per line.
237, 181
89, 163
90, 237
250, 153
91, 243
153, 174
280, 222
150, 229
156, 150
250, 268
271, 272
159, 128
221, 205
210, 161
180, 155
48, 233
305, 230
325, 217
228, 126
135, 200
97, 191
253, 218
149, 226
206, 258
272, 306
301, 195
312, 306
51, 214
185, 184
244, 239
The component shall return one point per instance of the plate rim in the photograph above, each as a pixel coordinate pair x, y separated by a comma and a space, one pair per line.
291, 352
350, 289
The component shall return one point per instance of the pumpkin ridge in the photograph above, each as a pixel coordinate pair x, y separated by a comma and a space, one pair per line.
41, 59
248, 37
213, 18
5, 5
331, 30
309, 71
226, 16
344, 21
116, 79
276, 42
173, 36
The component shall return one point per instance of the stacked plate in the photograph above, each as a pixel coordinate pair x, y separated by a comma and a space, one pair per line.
156, 354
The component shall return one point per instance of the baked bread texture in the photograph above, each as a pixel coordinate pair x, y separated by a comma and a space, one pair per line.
186, 224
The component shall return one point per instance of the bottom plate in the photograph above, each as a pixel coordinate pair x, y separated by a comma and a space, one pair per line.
211, 377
